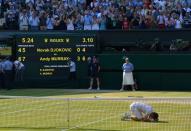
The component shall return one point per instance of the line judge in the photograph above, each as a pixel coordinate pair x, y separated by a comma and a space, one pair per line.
127, 75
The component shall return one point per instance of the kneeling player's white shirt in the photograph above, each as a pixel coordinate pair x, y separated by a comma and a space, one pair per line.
139, 110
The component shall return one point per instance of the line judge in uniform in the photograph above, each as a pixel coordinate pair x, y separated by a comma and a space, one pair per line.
8, 69
72, 66
19, 70
127, 75
72, 76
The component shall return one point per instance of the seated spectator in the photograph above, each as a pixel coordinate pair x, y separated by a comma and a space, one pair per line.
103, 22
161, 20
56, 22
0, 2
109, 14
23, 20
82, 4
144, 10
87, 21
186, 10
170, 22
125, 25
94, 4
70, 23
79, 22
113, 21
187, 21
39, 5
29, 1
120, 21
135, 21
11, 21
49, 22
162, 4
95, 23
178, 22
34, 22
42, 21
143, 23
149, 20
62, 25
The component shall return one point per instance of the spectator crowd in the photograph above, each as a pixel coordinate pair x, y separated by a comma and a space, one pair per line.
43, 15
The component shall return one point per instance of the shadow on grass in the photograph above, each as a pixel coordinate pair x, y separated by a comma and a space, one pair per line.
51, 92
162, 122
154, 122
80, 129
43, 92
30, 128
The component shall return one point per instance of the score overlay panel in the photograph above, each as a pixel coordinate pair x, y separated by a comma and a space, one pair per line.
45, 56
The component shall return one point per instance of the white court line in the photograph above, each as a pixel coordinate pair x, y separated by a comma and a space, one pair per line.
90, 123
99, 98
32, 109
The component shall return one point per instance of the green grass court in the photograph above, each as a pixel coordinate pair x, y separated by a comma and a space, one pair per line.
49, 110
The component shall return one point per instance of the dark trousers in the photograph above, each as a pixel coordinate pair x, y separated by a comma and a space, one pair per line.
72, 76
72, 80
2, 80
19, 74
8, 79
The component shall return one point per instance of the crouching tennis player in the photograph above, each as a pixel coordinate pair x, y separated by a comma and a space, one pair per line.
141, 112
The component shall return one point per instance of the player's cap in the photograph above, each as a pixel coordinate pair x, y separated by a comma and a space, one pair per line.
126, 58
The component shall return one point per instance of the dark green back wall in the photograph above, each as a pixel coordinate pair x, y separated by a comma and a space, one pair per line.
160, 71
152, 71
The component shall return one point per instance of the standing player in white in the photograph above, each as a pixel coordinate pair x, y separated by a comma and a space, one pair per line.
141, 112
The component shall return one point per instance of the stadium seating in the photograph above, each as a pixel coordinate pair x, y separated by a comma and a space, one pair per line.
95, 15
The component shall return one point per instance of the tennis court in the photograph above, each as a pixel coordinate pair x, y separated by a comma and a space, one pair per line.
83, 110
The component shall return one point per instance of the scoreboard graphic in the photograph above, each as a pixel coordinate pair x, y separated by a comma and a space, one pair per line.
46, 56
